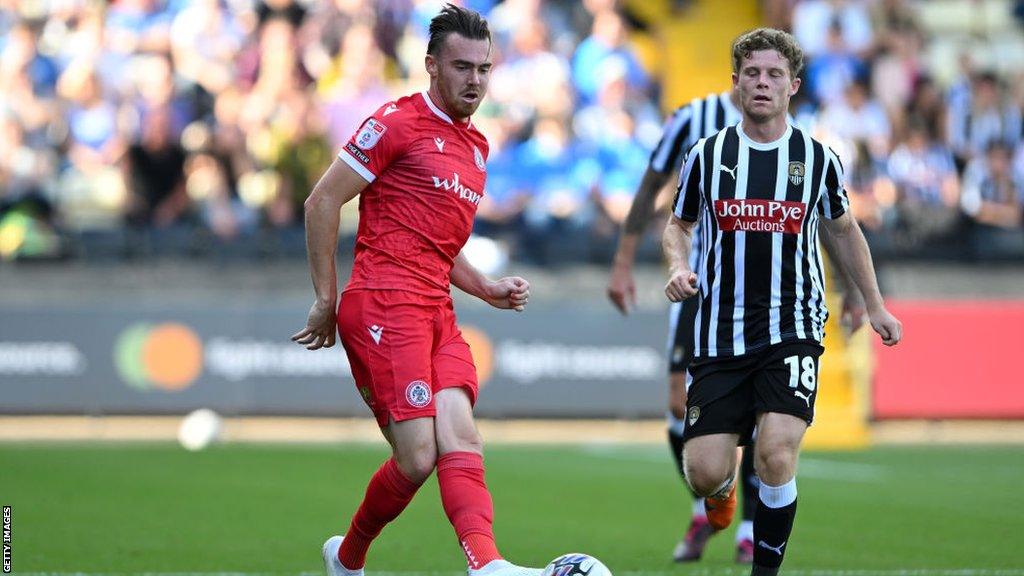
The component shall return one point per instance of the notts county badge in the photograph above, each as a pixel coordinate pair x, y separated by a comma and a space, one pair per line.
796, 173
693, 415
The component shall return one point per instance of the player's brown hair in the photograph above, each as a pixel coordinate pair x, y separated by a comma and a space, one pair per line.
768, 39
462, 21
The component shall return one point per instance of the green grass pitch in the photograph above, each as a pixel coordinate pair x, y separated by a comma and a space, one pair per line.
133, 508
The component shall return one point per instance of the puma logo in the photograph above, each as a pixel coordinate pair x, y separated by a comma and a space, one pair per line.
731, 171
776, 549
376, 332
806, 398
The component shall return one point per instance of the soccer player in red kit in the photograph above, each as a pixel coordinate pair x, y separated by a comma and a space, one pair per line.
419, 163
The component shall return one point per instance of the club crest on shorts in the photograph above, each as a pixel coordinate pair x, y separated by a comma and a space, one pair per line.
417, 394
796, 173
478, 157
694, 414
370, 134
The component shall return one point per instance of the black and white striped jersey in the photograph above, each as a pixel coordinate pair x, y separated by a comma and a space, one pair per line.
761, 278
701, 118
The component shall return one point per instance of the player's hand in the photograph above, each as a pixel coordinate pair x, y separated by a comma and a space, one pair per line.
509, 293
321, 327
622, 288
887, 326
854, 310
681, 285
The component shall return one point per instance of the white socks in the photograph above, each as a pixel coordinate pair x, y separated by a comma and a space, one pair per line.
778, 496
698, 507
745, 531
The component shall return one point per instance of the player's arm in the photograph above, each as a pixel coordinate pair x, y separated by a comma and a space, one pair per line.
664, 159
854, 308
621, 286
510, 292
339, 184
676, 242
677, 239
851, 253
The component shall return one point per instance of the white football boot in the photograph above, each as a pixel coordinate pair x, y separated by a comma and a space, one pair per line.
504, 568
331, 562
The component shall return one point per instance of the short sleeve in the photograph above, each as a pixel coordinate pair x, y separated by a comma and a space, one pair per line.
834, 202
686, 205
665, 157
375, 145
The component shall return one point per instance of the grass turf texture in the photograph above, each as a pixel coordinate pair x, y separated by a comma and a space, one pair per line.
124, 508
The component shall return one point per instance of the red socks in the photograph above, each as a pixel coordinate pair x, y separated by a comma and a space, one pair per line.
388, 493
468, 504
464, 496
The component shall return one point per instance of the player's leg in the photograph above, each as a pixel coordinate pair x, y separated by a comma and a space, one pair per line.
778, 446
460, 475
691, 547
720, 405
785, 392
388, 367
680, 353
710, 463
460, 466
464, 493
749, 486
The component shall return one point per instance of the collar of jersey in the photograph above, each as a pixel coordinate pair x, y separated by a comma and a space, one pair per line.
440, 113
764, 145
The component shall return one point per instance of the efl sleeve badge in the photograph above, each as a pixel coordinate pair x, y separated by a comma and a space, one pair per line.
370, 134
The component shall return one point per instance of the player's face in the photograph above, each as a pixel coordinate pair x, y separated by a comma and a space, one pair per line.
765, 85
459, 74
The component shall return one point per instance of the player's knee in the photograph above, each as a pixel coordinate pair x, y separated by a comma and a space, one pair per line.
417, 464
775, 465
468, 440
704, 481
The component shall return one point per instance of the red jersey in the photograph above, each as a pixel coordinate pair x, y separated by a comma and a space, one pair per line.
426, 176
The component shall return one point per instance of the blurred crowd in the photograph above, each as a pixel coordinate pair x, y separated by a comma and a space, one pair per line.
136, 126
934, 171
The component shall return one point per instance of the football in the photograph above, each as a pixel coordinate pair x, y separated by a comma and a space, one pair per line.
576, 564
199, 429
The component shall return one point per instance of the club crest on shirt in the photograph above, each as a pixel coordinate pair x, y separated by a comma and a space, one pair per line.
693, 415
796, 173
370, 134
478, 157
417, 394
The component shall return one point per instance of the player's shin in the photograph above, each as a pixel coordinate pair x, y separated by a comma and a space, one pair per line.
387, 494
468, 504
773, 524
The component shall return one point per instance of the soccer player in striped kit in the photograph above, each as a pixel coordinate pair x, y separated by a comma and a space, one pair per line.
700, 118
760, 190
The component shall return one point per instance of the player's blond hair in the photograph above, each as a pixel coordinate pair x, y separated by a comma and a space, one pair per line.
768, 39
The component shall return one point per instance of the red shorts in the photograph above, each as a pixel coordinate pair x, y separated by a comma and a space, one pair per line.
403, 349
